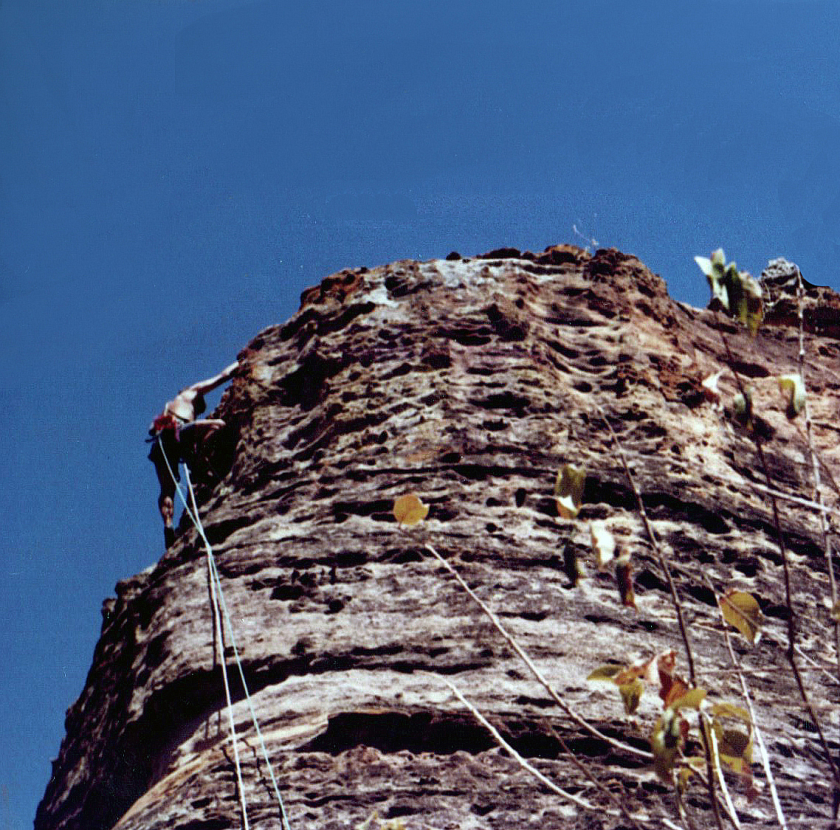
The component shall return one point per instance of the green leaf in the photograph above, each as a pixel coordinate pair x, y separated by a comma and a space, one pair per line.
631, 694
741, 611
729, 710
694, 764
742, 407
690, 700
624, 579
793, 389
705, 265
713, 269
736, 744
738, 292
745, 299
682, 780
665, 741
568, 491
606, 672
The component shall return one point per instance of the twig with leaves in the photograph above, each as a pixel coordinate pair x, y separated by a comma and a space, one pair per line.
815, 465
677, 604
790, 651
745, 694
741, 296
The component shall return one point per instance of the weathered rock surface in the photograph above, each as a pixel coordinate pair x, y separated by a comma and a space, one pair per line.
469, 382
820, 304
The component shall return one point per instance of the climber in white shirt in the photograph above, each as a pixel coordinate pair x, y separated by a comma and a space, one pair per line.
176, 435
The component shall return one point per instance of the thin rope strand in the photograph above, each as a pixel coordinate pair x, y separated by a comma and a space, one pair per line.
218, 625
229, 624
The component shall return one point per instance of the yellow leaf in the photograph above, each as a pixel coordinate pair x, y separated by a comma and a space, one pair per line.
631, 694
568, 491
729, 710
793, 389
741, 611
685, 773
409, 510
690, 700
750, 307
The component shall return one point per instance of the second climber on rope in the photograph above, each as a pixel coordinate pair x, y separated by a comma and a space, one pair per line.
177, 436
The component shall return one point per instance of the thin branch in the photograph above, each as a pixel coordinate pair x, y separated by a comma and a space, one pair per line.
585, 805
763, 489
657, 549
800, 294
578, 719
590, 777
675, 601
815, 665
745, 694
790, 651
732, 814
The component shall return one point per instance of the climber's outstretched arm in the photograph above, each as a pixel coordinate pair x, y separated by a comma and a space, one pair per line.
204, 386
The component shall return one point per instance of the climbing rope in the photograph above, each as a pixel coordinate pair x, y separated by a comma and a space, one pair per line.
218, 600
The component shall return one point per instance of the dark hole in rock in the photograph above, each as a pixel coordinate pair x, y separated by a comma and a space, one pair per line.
750, 370
749, 566
396, 731
205, 824
400, 556
402, 369
564, 350
771, 609
349, 558
397, 810
437, 360
504, 400
702, 593
648, 580
287, 592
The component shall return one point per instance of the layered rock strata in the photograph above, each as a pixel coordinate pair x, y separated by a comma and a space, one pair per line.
469, 382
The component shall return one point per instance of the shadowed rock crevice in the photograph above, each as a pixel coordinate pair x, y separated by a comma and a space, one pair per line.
469, 382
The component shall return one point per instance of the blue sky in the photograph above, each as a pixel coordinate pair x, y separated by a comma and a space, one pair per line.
173, 173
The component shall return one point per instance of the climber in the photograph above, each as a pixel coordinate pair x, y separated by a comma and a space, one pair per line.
177, 436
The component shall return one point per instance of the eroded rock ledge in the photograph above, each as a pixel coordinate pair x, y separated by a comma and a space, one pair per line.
470, 382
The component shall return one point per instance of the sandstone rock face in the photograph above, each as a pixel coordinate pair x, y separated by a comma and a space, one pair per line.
469, 382
820, 305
